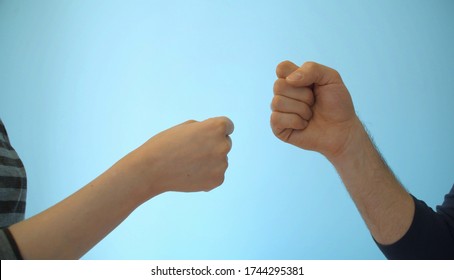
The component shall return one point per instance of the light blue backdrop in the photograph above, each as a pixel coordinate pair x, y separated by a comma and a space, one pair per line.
84, 82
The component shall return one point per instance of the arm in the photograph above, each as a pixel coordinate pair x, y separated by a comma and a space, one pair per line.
189, 157
312, 109
386, 207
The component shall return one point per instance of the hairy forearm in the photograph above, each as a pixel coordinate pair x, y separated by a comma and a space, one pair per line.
384, 204
72, 227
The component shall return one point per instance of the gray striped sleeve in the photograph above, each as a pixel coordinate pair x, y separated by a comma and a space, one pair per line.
8, 247
13, 182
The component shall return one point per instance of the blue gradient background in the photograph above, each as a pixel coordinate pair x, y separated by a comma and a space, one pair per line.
84, 82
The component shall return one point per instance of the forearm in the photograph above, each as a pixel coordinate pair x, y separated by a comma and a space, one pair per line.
189, 157
384, 204
72, 227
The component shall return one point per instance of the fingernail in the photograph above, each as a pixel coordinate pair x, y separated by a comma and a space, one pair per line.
295, 76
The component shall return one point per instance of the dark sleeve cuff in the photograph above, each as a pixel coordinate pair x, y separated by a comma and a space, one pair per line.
9, 250
427, 238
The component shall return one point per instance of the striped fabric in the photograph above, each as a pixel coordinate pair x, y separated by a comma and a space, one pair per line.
13, 183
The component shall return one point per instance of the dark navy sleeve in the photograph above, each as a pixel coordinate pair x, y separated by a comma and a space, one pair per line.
430, 236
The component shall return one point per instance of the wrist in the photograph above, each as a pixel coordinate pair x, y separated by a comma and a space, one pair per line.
356, 142
140, 180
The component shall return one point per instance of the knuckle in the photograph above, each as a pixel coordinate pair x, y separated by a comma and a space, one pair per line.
284, 66
223, 119
225, 165
216, 180
220, 179
308, 97
284, 63
309, 114
209, 122
279, 86
336, 74
281, 66
294, 121
276, 103
222, 127
228, 145
220, 121
225, 148
216, 124
300, 123
274, 119
209, 187
305, 112
309, 65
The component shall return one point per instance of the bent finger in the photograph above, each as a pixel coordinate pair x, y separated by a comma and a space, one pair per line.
282, 121
284, 104
285, 68
304, 94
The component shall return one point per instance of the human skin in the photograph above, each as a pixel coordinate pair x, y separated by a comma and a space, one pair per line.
189, 157
312, 109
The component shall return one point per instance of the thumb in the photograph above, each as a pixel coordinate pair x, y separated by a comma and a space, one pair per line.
313, 73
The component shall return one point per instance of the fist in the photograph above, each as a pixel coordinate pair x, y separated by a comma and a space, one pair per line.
311, 108
189, 157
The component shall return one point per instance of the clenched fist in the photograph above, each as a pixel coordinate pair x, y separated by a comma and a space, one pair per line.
189, 157
312, 108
